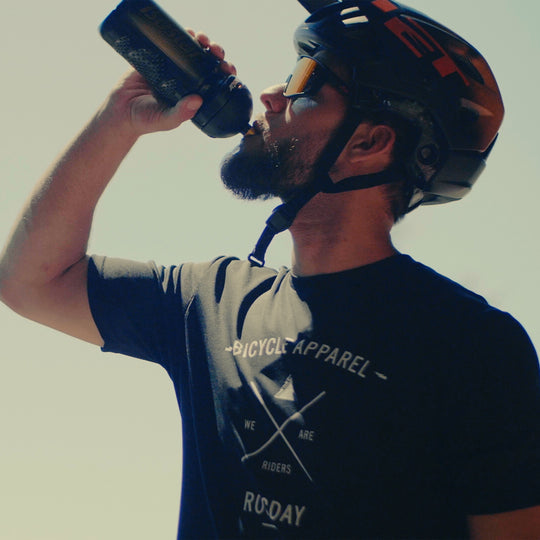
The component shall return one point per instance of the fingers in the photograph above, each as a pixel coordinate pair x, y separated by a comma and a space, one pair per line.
183, 111
212, 46
215, 48
189, 106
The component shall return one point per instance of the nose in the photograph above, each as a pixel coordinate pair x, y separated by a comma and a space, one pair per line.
273, 99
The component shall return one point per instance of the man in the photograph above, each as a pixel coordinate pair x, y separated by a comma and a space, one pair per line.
359, 394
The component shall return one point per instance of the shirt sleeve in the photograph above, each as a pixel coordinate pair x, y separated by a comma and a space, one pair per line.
139, 307
496, 438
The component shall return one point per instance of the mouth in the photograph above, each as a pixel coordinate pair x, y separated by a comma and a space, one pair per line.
257, 128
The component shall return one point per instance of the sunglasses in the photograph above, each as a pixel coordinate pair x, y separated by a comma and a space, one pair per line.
309, 76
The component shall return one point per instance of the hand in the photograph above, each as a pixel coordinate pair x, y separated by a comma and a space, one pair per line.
215, 49
134, 102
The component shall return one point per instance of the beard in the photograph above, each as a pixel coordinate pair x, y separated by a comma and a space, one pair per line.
257, 169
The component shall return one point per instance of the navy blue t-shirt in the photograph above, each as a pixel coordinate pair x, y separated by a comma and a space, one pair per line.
381, 402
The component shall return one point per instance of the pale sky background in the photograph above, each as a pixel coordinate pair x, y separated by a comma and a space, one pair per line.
90, 442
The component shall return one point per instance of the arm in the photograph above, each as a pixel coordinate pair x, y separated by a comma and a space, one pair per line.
517, 525
43, 267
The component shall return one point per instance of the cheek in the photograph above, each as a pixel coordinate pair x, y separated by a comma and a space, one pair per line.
302, 105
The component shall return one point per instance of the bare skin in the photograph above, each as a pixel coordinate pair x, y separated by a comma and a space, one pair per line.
44, 265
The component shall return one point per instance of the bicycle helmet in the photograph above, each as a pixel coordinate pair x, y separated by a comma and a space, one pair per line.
405, 64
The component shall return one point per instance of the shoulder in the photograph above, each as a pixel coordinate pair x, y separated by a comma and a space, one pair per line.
232, 276
439, 298
423, 281
459, 312
186, 279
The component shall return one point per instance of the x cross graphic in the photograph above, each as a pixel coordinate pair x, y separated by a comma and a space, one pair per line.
280, 428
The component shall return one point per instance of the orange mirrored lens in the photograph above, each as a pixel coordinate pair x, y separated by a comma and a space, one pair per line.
302, 73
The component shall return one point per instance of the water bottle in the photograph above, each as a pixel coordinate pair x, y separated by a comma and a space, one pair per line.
174, 64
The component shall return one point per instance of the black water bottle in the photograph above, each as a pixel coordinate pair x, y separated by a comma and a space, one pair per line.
175, 65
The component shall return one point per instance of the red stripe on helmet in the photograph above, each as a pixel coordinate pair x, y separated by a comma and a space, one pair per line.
444, 65
384, 5
422, 44
409, 36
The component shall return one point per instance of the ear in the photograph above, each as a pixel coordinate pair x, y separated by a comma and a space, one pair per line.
371, 145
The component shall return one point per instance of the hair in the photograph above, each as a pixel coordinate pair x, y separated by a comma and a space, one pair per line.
398, 194
400, 191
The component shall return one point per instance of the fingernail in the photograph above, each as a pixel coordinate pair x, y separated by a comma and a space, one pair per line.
193, 105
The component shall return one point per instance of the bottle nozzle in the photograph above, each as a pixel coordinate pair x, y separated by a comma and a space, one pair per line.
250, 130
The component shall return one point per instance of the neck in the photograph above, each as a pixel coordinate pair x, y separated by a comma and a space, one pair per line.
336, 232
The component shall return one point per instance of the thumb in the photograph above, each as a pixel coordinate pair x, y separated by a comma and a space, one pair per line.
184, 110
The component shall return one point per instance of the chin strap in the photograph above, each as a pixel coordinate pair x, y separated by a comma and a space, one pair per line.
282, 216
281, 219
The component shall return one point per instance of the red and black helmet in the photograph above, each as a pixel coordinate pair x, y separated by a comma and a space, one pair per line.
405, 63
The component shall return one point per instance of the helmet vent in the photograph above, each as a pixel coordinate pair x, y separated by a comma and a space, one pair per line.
351, 16
465, 64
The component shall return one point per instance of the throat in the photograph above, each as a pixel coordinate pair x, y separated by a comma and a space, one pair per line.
327, 241
314, 258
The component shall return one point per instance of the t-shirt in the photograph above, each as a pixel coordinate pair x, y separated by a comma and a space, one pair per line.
380, 402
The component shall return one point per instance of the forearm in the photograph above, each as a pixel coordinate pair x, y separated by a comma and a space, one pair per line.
53, 230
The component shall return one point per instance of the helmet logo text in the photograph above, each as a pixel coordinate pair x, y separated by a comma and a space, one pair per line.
422, 44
